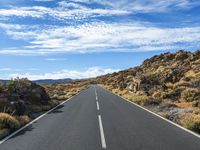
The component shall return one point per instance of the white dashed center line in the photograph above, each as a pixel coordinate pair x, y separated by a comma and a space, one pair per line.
103, 141
97, 105
95, 93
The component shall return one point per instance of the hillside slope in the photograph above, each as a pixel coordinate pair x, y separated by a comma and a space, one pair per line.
168, 84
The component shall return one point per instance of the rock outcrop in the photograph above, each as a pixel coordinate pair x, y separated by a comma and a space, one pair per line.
20, 97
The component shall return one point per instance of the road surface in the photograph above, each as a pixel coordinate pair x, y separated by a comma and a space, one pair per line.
96, 119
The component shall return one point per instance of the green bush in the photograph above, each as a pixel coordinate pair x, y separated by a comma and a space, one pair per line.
18, 83
4, 132
12, 84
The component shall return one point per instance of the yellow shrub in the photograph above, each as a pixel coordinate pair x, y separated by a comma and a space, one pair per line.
115, 91
139, 99
169, 84
8, 121
160, 69
157, 94
23, 119
190, 94
191, 121
190, 73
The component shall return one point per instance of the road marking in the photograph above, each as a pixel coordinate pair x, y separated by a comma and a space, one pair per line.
95, 93
103, 141
169, 121
97, 105
36, 119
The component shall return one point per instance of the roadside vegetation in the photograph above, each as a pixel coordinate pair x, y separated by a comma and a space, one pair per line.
168, 84
63, 91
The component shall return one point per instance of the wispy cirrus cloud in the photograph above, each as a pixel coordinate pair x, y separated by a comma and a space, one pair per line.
64, 10
96, 35
144, 6
100, 36
76, 9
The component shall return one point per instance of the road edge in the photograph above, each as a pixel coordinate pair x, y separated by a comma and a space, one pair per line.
169, 121
36, 119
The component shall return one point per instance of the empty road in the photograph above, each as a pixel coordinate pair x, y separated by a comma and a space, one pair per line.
96, 119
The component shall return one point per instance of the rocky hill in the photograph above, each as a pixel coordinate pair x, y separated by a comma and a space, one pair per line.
168, 84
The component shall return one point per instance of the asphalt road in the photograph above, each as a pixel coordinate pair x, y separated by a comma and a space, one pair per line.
96, 119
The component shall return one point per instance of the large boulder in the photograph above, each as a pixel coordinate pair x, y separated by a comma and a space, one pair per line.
20, 95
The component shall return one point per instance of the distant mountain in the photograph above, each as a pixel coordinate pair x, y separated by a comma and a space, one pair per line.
51, 81
45, 81
3, 81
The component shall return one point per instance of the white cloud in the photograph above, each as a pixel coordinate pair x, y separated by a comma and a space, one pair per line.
43, 0
76, 11
100, 36
65, 10
97, 35
73, 74
51, 59
55, 59
5, 69
144, 6
36, 12
11, 26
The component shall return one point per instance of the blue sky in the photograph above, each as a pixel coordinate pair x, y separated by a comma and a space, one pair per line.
85, 38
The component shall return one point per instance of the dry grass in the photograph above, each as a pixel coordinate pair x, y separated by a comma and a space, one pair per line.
115, 91
4, 132
157, 95
190, 74
23, 120
160, 69
191, 121
182, 84
67, 95
139, 99
169, 85
184, 104
120, 92
190, 94
63, 91
197, 111
8, 121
